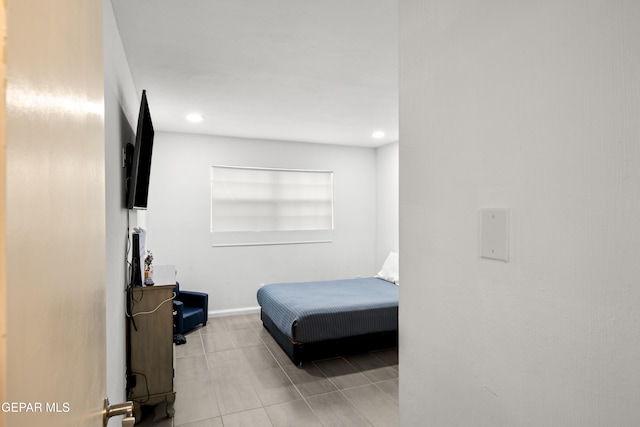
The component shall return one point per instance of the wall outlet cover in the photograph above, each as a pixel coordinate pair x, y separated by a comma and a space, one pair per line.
494, 234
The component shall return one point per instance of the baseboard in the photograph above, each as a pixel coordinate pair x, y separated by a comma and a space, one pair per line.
234, 311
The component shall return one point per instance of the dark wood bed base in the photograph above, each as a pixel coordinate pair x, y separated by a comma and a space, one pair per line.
305, 352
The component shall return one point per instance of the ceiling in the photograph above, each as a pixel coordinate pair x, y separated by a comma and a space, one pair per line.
294, 70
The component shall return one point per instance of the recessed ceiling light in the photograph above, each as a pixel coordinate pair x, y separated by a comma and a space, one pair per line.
377, 134
194, 117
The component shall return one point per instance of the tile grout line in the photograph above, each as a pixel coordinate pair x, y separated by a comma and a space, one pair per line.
344, 395
304, 399
327, 378
253, 326
239, 349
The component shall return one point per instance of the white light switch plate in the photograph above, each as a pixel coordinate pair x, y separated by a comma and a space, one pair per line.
494, 234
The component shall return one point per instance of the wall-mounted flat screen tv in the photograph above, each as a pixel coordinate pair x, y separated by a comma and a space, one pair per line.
140, 160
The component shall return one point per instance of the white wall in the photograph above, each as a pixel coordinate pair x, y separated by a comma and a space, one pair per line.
121, 111
532, 106
178, 220
387, 194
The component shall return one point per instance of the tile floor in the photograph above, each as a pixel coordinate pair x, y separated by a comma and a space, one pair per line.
232, 373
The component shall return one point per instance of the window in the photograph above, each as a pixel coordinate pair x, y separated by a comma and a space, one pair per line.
247, 199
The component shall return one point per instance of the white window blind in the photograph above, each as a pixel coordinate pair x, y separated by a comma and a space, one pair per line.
260, 199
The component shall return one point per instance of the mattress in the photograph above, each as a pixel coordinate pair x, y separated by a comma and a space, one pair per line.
325, 310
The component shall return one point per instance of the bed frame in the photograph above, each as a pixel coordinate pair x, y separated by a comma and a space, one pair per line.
300, 352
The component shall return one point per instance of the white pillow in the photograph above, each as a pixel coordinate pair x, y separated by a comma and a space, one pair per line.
391, 269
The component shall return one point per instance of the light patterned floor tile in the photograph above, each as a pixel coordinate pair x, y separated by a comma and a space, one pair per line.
253, 418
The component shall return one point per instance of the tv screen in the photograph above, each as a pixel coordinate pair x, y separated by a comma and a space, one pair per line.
138, 182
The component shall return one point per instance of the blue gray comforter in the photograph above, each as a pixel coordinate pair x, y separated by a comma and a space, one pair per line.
317, 311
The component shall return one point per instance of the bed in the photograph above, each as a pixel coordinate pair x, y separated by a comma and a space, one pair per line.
321, 319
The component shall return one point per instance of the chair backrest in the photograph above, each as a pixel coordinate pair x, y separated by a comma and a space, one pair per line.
177, 289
